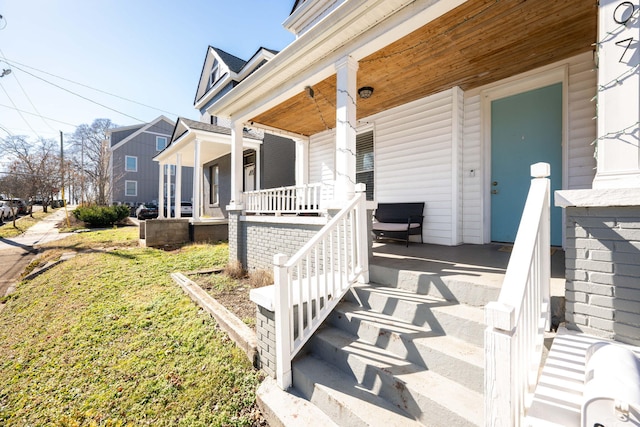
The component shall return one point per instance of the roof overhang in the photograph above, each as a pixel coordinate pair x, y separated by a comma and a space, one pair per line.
407, 50
213, 145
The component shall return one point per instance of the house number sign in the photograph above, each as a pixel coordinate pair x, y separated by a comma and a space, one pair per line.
621, 15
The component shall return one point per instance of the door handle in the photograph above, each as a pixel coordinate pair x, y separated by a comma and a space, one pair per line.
494, 183
494, 191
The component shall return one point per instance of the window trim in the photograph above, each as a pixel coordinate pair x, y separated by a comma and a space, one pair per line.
126, 189
166, 142
362, 132
126, 163
214, 185
214, 73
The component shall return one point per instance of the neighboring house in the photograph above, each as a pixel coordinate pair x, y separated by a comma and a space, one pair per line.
134, 174
446, 103
267, 159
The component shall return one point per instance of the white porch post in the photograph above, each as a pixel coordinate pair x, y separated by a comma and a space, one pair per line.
161, 191
302, 162
178, 185
168, 191
236, 166
197, 183
258, 170
346, 70
618, 143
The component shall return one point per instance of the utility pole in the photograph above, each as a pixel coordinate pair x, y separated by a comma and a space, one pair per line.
64, 202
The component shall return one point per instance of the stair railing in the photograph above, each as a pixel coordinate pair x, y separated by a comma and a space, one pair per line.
310, 284
514, 336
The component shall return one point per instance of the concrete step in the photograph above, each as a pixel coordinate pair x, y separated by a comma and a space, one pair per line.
286, 409
439, 316
342, 399
453, 358
429, 397
456, 288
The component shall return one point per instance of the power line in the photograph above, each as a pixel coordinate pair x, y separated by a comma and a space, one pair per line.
27, 96
76, 94
11, 62
33, 114
14, 105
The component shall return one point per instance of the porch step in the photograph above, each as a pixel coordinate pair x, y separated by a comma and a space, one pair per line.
455, 288
342, 399
448, 356
441, 317
425, 395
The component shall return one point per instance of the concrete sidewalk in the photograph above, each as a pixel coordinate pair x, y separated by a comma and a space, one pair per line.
16, 253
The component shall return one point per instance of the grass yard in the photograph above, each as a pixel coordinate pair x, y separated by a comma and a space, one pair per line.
107, 339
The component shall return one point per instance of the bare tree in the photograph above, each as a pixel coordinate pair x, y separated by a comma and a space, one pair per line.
96, 156
34, 169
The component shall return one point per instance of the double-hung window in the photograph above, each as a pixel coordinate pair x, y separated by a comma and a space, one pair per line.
213, 75
131, 164
131, 188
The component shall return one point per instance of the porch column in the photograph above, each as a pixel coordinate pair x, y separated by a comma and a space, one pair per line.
236, 166
161, 191
618, 142
178, 185
346, 70
302, 162
197, 182
168, 166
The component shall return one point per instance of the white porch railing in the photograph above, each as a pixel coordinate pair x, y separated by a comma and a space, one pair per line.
516, 322
310, 284
308, 198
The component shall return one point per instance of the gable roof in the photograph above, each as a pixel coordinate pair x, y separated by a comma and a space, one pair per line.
238, 70
233, 62
143, 128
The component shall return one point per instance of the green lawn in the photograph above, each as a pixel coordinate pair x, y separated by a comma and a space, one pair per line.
7, 230
107, 339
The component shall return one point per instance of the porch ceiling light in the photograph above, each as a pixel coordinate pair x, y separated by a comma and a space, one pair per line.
365, 92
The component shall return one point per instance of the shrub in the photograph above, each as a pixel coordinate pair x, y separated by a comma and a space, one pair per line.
101, 216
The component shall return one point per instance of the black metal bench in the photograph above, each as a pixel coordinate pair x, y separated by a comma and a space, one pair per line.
398, 220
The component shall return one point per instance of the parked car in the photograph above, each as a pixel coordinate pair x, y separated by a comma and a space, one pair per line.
186, 208
20, 206
5, 210
147, 211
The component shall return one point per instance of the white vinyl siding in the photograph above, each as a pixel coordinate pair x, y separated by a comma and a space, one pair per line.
322, 157
472, 173
582, 126
414, 157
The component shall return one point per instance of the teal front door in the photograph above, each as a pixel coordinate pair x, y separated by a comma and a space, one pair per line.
525, 129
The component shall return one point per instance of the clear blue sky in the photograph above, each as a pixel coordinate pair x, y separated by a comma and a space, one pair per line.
149, 51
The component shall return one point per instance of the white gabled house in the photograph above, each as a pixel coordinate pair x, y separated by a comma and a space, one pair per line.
447, 103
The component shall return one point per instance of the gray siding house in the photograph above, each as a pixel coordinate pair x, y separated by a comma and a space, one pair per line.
134, 175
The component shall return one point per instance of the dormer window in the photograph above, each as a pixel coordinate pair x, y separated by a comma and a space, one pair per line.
213, 76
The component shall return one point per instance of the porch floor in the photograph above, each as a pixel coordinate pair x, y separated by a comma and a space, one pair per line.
481, 264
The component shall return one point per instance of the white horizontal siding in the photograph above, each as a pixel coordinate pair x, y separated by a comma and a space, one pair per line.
413, 152
322, 157
472, 172
582, 126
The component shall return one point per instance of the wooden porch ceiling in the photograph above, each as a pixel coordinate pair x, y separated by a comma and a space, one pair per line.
480, 42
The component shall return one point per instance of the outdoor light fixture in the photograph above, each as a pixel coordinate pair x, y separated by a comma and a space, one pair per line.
365, 92
5, 72
309, 91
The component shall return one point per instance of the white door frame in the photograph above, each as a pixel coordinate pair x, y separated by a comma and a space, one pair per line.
506, 88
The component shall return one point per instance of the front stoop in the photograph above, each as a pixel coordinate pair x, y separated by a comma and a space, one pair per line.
393, 356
